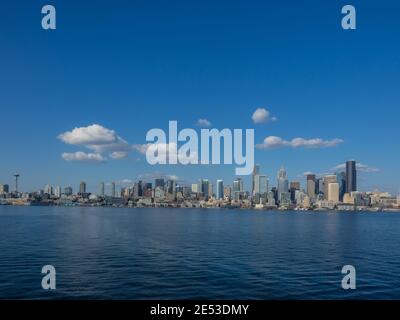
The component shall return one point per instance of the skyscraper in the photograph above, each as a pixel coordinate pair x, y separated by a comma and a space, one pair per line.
311, 185
351, 176
113, 189
333, 192
294, 187
238, 185
48, 189
260, 184
159, 183
102, 189
68, 191
220, 189
203, 187
57, 191
341, 179
4, 188
82, 187
283, 183
256, 171
327, 180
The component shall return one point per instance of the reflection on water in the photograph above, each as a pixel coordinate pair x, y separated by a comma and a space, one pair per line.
107, 253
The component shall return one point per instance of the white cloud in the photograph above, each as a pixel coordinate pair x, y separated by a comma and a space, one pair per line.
262, 115
273, 142
141, 148
82, 156
360, 167
203, 123
98, 139
119, 155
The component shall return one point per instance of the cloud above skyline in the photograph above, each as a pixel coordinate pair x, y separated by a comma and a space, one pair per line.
262, 115
98, 139
82, 156
274, 142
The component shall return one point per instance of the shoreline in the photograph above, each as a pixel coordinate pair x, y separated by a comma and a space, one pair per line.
176, 206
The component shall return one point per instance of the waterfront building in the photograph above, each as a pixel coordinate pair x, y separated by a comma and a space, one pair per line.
333, 192
285, 199
227, 192
271, 199
348, 199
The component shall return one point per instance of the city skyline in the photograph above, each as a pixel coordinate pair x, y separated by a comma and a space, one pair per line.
329, 192
321, 96
259, 182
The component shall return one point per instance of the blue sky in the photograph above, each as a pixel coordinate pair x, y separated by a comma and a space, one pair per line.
131, 66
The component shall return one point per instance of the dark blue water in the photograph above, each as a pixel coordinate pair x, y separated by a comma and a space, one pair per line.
109, 253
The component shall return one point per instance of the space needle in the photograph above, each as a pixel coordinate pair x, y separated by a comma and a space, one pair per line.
16, 176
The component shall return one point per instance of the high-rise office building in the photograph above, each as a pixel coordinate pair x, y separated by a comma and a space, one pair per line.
68, 191
159, 183
57, 191
102, 191
260, 184
4, 188
210, 190
333, 192
220, 190
341, 179
82, 187
256, 171
283, 183
351, 176
311, 185
195, 188
204, 187
238, 185
113, 189
327, 180
294, 187
48, 189
228, 192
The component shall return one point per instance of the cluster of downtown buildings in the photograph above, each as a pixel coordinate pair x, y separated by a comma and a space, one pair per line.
335, 191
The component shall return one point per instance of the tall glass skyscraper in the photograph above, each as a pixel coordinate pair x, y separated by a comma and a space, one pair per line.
283, 183
220, 189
